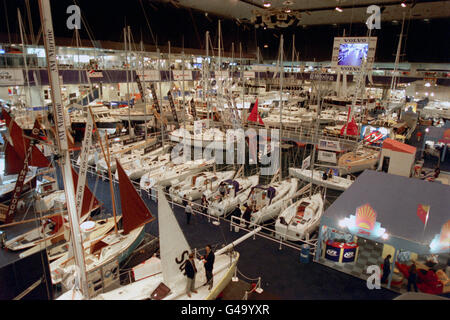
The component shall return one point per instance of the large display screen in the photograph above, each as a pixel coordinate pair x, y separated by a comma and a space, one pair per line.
349, 53
352, 54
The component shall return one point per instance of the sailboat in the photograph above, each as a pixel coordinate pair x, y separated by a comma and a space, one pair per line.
193, 187
300, 219
56, 228
239, 189
268, 200
168, 276
359, 160
335, 182
115, 246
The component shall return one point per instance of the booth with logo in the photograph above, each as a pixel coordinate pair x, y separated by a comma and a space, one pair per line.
382, 214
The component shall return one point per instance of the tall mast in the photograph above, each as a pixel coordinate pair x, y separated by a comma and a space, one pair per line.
397, 58
63, 149
207, 75
281, 99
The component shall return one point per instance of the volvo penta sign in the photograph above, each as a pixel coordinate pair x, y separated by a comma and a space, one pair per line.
349, 53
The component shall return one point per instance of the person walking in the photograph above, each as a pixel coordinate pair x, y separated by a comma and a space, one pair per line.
191, 272
188, 211
386, 268
208, 260
412, 278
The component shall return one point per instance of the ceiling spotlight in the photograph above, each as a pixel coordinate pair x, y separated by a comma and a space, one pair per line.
288, 11
338, 9
267, 4
266, 46
403, 4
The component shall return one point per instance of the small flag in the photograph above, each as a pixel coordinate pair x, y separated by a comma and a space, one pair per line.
422, 212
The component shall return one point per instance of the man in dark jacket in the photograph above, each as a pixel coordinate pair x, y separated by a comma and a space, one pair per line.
191, 272
247, 214
208, 259
386, 268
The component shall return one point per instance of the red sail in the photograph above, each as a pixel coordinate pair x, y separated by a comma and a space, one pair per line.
21, 144
13, 162
254, 115
134, 211
87, 196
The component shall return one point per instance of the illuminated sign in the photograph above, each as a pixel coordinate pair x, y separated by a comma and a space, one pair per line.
349, 53
364, 223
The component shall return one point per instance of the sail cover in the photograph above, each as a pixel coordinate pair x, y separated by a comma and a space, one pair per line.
173, 246
134, 211
88, 197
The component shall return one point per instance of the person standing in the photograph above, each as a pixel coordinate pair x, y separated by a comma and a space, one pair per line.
184, 201
191, 272
188, 211
412, 278
208, 259
205, 204
247, 214
386, 268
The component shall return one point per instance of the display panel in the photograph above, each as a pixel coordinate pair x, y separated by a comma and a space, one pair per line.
349, 53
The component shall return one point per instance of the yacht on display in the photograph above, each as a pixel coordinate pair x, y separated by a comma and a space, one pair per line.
267, 201
300, 219
316, 177
238, 190
359, 160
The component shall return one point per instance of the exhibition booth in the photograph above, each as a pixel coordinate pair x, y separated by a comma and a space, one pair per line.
372, 220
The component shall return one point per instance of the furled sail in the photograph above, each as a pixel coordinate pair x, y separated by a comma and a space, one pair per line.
134, 211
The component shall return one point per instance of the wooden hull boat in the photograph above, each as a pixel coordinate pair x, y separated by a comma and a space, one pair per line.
360, 160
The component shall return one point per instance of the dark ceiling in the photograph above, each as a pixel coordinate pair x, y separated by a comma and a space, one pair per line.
156, 21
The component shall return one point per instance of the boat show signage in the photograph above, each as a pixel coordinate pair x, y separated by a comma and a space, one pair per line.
152, 147
11, 77
174, 110
94, 74
349, 53
326, 156
86, 147
53, 74
329, 145
149, 75
221, 75
155, 98
18, 187
306, 163
133, 140
249, 74
181, 75
193, 110
322, 77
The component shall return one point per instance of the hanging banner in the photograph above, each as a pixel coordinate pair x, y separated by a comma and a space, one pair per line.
329, 145
221, 75
85, 150
18, 187
152, 147
149, 75
11, 77
155, 98
182, 75
174, 110
193, 110
350, 52
94, 74
306, 163
139, 84
326, 156
322, 77
249, 74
